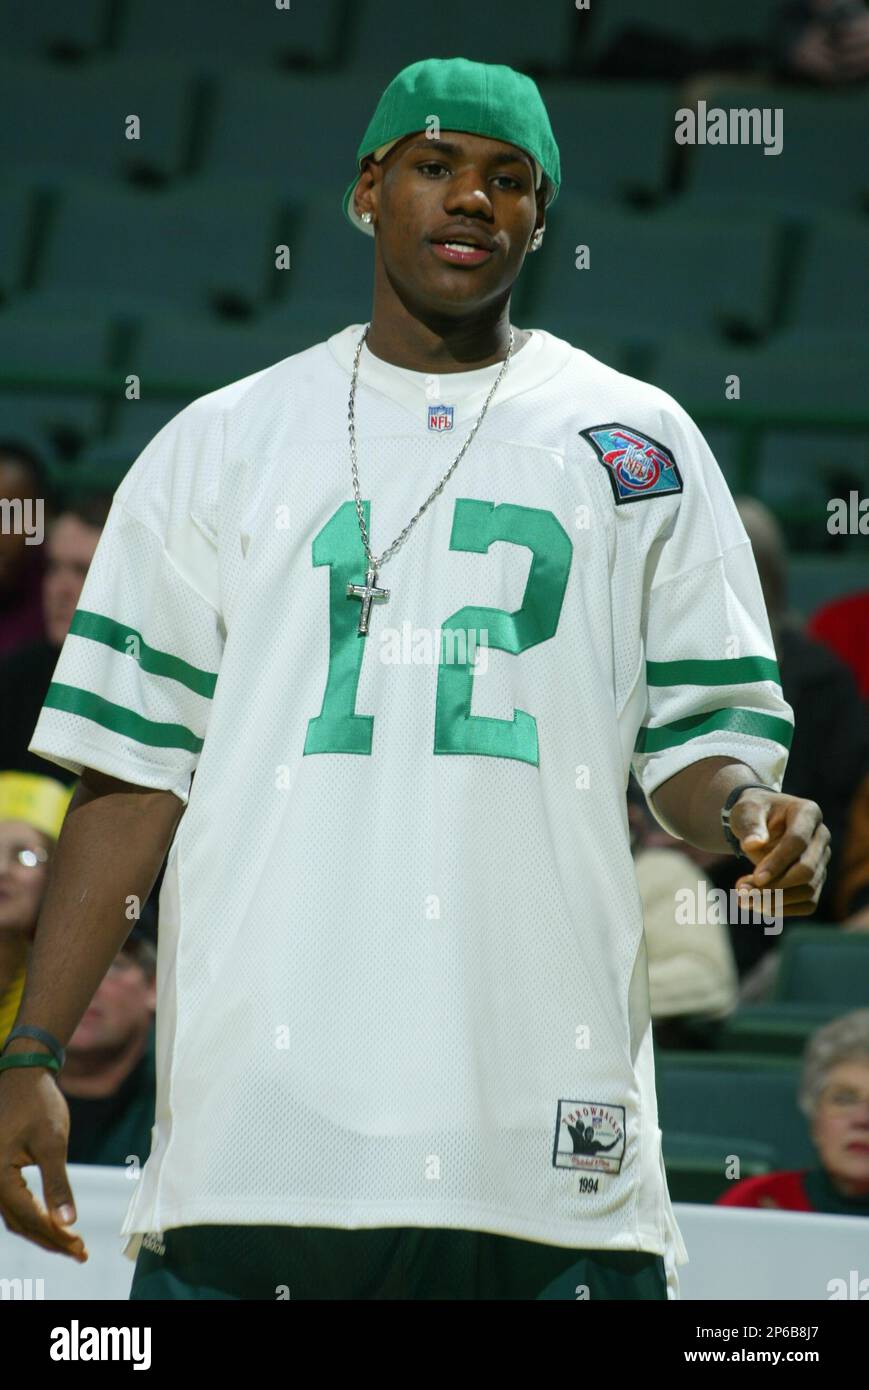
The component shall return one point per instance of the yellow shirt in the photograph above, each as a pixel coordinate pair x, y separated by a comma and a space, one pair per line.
9, 1000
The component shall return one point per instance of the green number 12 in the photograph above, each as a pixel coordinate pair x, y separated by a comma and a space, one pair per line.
476, 526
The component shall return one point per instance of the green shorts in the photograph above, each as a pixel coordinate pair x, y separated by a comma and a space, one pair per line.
414, 1262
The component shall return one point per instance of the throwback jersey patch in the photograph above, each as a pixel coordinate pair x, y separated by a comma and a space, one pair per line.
636, 466
589, 1135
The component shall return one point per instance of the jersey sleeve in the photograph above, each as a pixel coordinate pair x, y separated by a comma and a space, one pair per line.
712, 681
134, 683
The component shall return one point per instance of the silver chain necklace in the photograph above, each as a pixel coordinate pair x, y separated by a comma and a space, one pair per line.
369, 592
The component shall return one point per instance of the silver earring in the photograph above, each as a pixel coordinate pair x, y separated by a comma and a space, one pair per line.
366, 216
537, 240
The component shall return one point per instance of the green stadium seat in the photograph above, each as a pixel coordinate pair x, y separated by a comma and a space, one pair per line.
796, 468
62, 123
221, 35
735, 1094
697, 1165
178, 348
16, 207
774, 379
312, 324
820, 965
814, 580
822, 162
37, 344
823, 338
331, 268
57, 422
811, 466
206, 246
656, 273
832, 284
615, 139
380, 42
179, 358
132, 424
102, 465
62, 354
775, 1029
713, 22
52, 28
297, 128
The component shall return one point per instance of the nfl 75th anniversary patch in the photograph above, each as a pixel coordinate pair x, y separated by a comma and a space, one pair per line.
589, 1136
636, 465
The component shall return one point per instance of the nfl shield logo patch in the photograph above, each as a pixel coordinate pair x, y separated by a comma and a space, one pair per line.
636, 465
440, 417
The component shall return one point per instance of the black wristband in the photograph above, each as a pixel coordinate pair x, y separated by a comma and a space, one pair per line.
731, 801
29, 1030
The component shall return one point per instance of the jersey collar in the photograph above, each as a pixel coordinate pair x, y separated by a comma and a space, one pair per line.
466, 392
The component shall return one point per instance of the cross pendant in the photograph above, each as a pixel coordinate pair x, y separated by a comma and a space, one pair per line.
368, 592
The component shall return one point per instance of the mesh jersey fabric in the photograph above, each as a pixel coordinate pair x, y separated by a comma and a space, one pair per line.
401, 973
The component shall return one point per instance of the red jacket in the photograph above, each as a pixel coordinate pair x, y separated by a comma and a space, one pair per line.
782, 1190
810, 1189
843, 625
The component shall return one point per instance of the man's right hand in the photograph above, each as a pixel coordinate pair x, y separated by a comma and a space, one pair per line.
34, 1129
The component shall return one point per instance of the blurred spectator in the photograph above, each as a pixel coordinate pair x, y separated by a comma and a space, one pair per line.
23, 488
109, 1077
822, 41
834, 1097
109, 1074
26, 673
843, 626
829, 755
692, 974
852, 903
654, 45
32, 809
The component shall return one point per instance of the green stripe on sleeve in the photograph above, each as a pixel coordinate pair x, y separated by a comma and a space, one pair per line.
119, 719
737, 670
112, 634
737, 721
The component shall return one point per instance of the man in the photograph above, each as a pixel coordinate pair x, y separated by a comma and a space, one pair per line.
23, 487
824, 41
25, 673
32, 809
108, 1075
401, 970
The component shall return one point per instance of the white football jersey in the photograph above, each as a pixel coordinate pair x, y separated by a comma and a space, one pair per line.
402, 976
